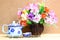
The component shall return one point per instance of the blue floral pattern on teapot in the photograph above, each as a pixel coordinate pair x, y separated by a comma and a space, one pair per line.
14, 29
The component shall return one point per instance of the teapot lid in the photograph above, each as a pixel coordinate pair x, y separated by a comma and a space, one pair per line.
14, 24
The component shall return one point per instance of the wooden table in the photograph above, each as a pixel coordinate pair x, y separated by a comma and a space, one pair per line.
42, 37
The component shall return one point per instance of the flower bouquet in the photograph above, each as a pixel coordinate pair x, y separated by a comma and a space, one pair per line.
35, 16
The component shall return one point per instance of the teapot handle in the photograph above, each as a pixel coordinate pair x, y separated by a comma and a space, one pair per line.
3, 28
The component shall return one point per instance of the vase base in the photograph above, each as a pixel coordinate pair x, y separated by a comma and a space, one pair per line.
36, 29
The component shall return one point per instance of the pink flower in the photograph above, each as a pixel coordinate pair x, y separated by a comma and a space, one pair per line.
53, 16
19, 13
33, 7
51, 19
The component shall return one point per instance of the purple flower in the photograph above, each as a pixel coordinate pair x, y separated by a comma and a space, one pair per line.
31, 16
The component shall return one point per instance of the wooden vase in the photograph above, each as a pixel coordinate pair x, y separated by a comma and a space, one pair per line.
36, 28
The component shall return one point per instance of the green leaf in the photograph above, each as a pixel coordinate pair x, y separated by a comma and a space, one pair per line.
29, 22
41, 8
28, 11
41, 21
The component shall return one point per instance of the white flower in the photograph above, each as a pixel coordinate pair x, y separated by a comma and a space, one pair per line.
36, 13
24, 16
37, 18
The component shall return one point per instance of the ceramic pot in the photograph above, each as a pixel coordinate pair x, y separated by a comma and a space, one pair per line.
14, 30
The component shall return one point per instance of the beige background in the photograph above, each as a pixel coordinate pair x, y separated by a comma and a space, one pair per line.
8, 10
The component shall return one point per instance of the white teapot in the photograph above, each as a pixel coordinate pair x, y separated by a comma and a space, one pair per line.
14, 29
